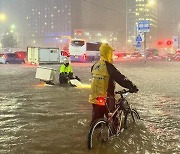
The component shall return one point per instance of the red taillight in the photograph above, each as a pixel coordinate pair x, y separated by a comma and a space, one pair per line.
84, 56
20, 56
101, 100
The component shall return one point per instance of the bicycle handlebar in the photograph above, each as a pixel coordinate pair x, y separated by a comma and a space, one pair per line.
124, 91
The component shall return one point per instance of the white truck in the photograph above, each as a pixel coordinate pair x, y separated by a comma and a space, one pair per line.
38, 55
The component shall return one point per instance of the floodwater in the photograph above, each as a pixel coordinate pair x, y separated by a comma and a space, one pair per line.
39, 119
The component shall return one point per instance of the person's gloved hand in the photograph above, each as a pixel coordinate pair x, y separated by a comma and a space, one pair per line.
134, 89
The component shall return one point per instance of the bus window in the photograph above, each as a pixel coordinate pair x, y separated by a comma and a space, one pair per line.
77, 43
93, 46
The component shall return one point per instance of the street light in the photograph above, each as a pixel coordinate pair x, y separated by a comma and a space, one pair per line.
2, 17
104, 41
151, 3
13, 26
129, 41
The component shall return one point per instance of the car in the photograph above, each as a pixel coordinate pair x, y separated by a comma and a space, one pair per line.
136, 55
118, 55
10, 58
152, 52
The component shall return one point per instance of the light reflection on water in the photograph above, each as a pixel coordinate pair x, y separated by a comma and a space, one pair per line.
53, 119
36, 124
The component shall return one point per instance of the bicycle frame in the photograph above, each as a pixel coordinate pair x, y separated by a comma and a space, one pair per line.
115, 122
118, 107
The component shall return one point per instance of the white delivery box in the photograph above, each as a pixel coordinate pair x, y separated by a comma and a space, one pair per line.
45, 74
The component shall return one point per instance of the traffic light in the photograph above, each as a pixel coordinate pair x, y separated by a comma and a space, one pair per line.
169, 42
160, 43
164, 43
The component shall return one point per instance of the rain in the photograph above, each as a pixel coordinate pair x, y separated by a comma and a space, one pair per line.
40, 115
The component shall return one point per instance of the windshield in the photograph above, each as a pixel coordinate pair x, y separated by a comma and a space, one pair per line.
77, 43
12, 55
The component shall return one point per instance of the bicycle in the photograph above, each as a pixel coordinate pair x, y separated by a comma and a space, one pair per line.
103, 129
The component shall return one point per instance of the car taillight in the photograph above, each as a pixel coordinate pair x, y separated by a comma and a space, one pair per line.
101, 100
84, 56
19, 55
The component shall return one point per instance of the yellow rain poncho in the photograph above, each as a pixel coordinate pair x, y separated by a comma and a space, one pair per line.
100, 74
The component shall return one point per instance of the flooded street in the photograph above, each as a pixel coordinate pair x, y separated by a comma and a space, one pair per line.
38, 119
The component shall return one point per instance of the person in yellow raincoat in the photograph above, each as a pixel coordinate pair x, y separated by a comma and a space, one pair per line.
104, 76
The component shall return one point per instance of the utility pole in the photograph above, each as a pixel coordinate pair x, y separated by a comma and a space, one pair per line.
178, 36
145, 56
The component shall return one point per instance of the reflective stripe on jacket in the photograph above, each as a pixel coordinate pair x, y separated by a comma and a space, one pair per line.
104, 77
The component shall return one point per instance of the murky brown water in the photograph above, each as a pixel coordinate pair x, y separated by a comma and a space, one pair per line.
53, 119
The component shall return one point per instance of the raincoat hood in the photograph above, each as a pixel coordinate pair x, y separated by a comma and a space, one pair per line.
106, 52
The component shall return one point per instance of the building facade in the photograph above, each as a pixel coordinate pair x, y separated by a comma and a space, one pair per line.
50, 22
97, 35
141, 10
53, 22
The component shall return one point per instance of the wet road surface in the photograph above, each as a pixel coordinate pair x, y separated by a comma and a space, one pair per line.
53, 119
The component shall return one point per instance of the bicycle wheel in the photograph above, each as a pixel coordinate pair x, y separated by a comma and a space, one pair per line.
131, 117
99, 132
